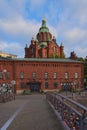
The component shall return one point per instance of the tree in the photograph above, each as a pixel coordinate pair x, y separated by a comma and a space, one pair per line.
85, 71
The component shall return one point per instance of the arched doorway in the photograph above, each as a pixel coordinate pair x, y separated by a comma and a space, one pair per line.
34, 86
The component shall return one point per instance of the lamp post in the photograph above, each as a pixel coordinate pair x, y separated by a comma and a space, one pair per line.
4, 74
13, 82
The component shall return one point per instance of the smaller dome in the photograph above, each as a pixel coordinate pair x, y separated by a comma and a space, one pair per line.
43, 27
43, 22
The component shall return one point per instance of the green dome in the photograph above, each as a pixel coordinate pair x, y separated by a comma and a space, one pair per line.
43, 44
43, 27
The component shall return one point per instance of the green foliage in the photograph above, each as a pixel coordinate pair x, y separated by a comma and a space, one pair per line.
26, 92
42, 92
56, 56
60, 90
73, 90
85, 71
80, 59
51, 56
55, 85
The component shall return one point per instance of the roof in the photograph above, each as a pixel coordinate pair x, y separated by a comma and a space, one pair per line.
5, 58
4, 54
47, 60
43, 27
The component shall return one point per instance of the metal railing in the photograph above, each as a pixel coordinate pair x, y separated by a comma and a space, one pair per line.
71, 112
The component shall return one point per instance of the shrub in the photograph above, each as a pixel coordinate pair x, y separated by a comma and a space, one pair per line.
26, 92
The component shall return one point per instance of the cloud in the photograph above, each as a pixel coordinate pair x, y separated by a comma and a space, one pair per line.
22, 29
20, 20
12, 47
81, 51
76, 11
19, 27
34, 4
75, 34
12, 8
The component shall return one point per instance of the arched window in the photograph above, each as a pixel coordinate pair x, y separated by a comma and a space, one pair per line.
1, 75
66, 75
54, 49
76, 75
8, 75
21, 75
34, 75
46, 85
46, 75
55, 75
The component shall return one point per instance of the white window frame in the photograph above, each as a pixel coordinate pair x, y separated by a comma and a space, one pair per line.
66, 75
46, 75
34, 75
21, 74
76, 75
55, 75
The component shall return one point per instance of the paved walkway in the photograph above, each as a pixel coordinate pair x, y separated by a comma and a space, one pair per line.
30, 112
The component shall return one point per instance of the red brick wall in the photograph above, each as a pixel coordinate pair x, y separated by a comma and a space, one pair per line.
6, 67
40, 68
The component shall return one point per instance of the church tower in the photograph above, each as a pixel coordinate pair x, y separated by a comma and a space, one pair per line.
44, 46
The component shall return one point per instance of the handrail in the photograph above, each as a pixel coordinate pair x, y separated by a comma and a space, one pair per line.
73, 118
74, 102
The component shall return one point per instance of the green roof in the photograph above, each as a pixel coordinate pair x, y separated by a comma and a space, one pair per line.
43, 27
47, 60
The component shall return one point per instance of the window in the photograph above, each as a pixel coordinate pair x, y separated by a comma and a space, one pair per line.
34, 75
55, 85
54, 49
22, 85
21, 75
7, 75
1, 75
55, 75
46, 85
76, 75
46, 75
66, 75
32, 56
32, 50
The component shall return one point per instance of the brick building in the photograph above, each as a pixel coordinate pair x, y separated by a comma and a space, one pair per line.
41, 69
4, 54
41, 74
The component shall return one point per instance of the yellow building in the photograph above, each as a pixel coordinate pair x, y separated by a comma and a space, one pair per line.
4, 54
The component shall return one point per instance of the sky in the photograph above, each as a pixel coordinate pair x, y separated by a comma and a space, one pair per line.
20, 20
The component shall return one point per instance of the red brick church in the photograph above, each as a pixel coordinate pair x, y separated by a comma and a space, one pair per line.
44, 46
44, 67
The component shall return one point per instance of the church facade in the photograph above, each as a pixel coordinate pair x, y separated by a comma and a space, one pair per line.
44, 46
43, 68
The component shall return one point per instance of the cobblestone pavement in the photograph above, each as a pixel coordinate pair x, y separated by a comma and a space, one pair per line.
30, 112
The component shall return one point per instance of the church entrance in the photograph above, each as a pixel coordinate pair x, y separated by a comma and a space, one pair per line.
34, 86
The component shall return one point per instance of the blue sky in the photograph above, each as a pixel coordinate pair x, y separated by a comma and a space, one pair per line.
20, 20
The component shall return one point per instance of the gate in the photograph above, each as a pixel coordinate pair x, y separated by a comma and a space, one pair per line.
34, 86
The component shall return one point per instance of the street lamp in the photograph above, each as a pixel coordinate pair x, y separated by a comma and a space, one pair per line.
4, 74
13, 82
